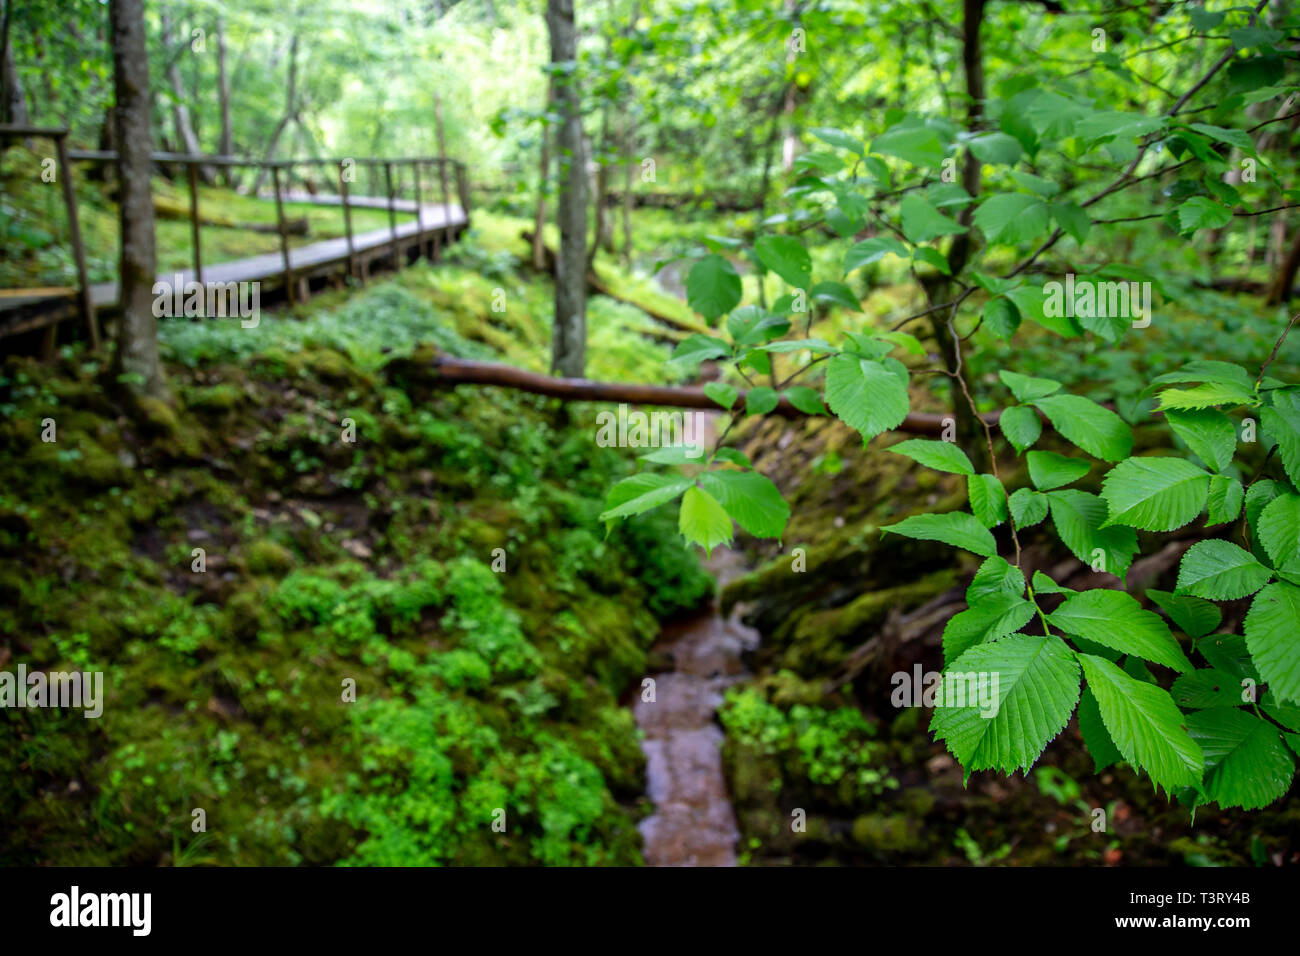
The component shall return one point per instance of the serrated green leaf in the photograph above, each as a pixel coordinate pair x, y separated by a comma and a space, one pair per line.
922, 222
1246, 763
1220, 571
722, 393
1045, 585
1205, 688
1078, 517
939, 455
1208, 433
1144, 724
957, 528
1001, 316
761, 400
1273, 636
787, 257
1011, 218
703, 520
751, 499
1279, 532
1228, 653
1195, 616
1201, 212
806, 400
1048, 470
1118, 621
996, 148
1028, 507
1098, 431
994, 617
871, 250
753, 324
837, 293
988, 499
713, 287
1155, 494
698, 348
868, 396
641, 492
1281, 422
1204, 396
1021, 426
995, 576
1036, 689
1026, 388
918, 145
1096, 738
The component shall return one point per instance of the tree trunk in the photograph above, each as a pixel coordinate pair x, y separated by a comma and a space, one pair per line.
1280, 289
568, 355
601, 237
13, 101
185, 135
136, 355
543, 183
629, 166
227, 146
290, 111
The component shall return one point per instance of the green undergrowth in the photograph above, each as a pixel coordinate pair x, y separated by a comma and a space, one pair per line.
448, 567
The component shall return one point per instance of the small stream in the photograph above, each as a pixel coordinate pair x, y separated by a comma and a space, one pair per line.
693, 823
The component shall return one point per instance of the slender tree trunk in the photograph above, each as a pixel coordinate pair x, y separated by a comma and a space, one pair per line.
568, 357
136, 355
185, 134
227, 145
602, 237
13, 101
543, 183
629, 167
290, 112
1280, 289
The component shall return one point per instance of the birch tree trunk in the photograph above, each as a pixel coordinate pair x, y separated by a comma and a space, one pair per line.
568, 353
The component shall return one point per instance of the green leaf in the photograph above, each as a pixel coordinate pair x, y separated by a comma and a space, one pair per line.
922, 222
996, 575
931, 257
1208, 433
1026, 388
786, 257
957, 528
838, 138
992, 618
1205, 395
1144, 724
1095, 736
1098, 431
1028, 507
1196, 616
806, 400
640, 493
1037, 686
1048, 470
1273, 637
761, 400
1279, 532
1201, 212
1228, 653
1078, 518
868, 396
713, 287
1281, 421
1226, 496
837, 293
988, 499
703, 520
1205, 688
1155, 494
722, 393
753, 324
1045, 585
939, 455
1220, 571
996, 148
1011, 218
1032, 302
1117, 620
698, 348
1073, 219
1001, 316
1246, 763
751, 499
917, 145
871, 250
733, 455
1021, 426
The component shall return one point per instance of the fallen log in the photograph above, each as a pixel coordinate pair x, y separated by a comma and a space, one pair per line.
454, 371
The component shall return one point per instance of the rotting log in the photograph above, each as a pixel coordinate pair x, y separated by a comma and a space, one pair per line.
454, 371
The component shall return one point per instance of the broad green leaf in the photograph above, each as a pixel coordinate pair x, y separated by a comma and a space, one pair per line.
871, 250
1144, 724
1279, 532
713, 287
1096, 738
806, 400
1228, 653
1117, 620
722, 393
1220, 571
1078, 518
1028, 507
1205, 688
753, 324
940, 455
1196, 616
995, 576
992, 618
918, 145
1246, 763
838, 138
1201, 212
1048, 470
1224, 502
1026, 388
787, 257
1011, 218
1208, 433
641, 492
1258, 496
761, 400
1273, 636
931, 257
1001, 316
675, 455
1037, 686
1155, 494
1288, 715
1073, 219
1281, 422
988, 499
868, 396
837, 293
1021, 426
957, 528
922, 222
751, 499
1098, 431
820, 346
996, 148
703, 520
733, 455
1045, 585
698, 348
1205, 395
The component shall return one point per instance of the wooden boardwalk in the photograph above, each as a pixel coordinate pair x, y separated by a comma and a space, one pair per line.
437, 225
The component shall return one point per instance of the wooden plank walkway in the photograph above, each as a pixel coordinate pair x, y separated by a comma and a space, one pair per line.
36, 308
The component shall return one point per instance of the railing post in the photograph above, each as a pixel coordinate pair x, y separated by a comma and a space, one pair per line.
192, 169
289, 290
462, 184
419, 208
78, 250
392, 214
347, 222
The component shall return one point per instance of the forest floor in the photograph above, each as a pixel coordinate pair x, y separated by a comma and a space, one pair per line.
491, 692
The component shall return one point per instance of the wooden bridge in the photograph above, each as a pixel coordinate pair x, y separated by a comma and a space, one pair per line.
439, 218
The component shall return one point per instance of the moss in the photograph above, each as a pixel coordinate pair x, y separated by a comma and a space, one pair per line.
222, 397
157, 416
887, 834
268, 557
